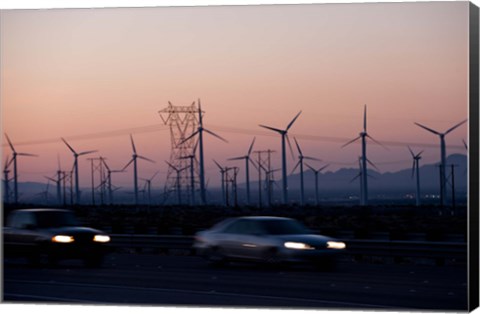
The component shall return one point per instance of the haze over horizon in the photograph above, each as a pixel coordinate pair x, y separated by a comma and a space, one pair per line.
93, 76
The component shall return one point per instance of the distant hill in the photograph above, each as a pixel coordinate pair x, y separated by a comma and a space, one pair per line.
332, 185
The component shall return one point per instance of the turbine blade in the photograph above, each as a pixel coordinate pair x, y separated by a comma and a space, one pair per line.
145, 158
273, 129
251, 147
377, 142
365, 118
324, 167
418, 155
217, 136
298, 146
295, 168
218, 165
411, 152
456, 126
310, 167
311, 158
10, 143
355, 178
293, 121
191, 135
127, 165
253, 163
290, 146
465, 144
25, 154
372, 164
68, 145
87, 152
238, 158
133, 145
154, 175
427, 128
355, 139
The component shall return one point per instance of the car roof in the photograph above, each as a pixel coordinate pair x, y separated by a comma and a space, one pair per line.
263, 218
42, 210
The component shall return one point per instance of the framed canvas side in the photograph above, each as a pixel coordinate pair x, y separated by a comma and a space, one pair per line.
474, 160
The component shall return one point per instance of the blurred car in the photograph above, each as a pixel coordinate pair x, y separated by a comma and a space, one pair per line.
50, 235
272, 240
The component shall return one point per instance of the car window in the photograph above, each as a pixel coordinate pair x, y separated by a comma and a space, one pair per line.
21, 220
55, 219
278, 227
244, 226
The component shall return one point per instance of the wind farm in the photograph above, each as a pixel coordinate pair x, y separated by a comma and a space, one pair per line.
167, 129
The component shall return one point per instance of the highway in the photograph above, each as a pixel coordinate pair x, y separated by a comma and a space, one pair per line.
148, 279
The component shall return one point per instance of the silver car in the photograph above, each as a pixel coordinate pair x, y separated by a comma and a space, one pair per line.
272, 240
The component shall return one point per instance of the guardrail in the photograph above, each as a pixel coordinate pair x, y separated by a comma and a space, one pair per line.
398, 251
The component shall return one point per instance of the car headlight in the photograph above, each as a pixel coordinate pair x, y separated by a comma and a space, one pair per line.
336, 245
101, 238
297, 246
62, 238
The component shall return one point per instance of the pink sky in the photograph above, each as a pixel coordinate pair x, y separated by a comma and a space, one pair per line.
73, 72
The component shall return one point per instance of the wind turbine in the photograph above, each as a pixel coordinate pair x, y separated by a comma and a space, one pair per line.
222, 173
148, 185
109, 180
247, 172
15, 169
179, 198
416, 168
363, 136
58, 181
316, 172
135, 173
443, 158
284, 134
75, 165
192, 158
6, 180
200, 131
301, 157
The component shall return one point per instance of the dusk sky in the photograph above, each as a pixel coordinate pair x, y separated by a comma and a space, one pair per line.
84, 73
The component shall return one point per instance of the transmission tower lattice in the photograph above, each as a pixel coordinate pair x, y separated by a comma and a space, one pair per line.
183, 121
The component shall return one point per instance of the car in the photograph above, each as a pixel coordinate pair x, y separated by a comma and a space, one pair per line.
51, 235
270, 240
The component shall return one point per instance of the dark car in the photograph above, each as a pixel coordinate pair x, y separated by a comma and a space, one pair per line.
50, 235
273, 240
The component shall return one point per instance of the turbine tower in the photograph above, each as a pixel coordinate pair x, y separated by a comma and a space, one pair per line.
363, 136
284, 134
301, 157
15, 169
316, 172
148, 187
178, 186
247, 172
443, 158
75, 166
200, 131
222, 173
135, 173
109, 180
6, 180
416, 168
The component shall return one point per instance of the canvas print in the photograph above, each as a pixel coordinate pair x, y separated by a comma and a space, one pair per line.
308, 156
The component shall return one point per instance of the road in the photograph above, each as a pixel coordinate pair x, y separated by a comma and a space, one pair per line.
144, 279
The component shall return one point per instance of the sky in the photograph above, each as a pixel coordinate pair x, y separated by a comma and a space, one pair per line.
94, 76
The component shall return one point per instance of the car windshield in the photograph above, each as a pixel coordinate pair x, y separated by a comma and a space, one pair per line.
55, 219
277, 227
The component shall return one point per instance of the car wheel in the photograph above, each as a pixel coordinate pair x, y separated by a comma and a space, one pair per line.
215, 257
